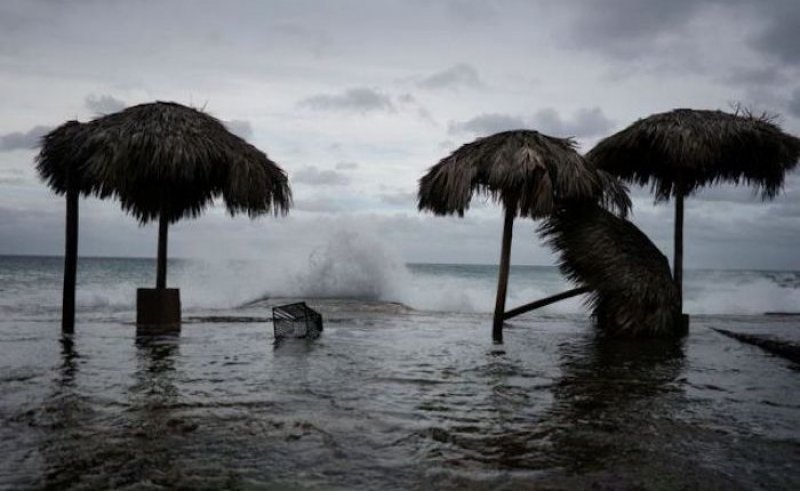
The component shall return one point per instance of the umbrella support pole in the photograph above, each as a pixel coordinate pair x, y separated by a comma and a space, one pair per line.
161, 262
159, 308
70, 263
502, 281
546, 301
677, 263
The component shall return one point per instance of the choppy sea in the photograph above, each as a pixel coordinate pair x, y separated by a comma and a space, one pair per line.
404, 390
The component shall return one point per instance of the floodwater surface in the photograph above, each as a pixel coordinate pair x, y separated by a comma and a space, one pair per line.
392, 398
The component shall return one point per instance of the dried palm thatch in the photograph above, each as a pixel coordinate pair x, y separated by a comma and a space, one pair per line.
632, 292
62, 166
165, 160
528, 173
523, 170
687, 149
681, 151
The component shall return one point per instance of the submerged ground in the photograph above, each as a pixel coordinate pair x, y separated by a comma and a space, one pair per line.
390, 398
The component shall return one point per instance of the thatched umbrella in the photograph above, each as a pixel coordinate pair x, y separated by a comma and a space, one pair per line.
631, 288
681, 151
523, 170
61, 165
166, 161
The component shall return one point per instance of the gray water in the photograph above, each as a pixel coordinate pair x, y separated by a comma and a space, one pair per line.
390, 397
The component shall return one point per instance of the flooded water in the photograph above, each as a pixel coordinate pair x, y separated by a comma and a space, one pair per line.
393, 398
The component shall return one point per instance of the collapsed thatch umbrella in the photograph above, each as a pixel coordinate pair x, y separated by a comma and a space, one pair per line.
61, 165
523, 170
166, 161
631, 288
681, 151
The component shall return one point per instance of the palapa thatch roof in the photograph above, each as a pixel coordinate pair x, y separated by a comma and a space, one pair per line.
701, 148
524, 170
61, 162
632, 289
163, 153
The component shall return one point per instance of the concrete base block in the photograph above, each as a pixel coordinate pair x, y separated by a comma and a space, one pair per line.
159, 308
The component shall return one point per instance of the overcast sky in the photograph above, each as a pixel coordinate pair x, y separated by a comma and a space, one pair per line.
356, 99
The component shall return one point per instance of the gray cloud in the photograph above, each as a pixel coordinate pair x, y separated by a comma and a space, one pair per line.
585, 123
781, 37
23, 141
794, 104
347, 165
399, 199
624, 27
759, 76
457, 76
359, 99
240, 128
104, 104
471, 10
485, 124
319, 205
315, 177
634, 27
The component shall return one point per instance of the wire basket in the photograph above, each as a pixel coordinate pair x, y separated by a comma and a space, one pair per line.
296, 320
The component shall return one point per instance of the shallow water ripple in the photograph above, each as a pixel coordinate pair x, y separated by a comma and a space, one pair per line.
393, 401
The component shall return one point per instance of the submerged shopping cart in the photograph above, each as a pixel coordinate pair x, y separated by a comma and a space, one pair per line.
296, 320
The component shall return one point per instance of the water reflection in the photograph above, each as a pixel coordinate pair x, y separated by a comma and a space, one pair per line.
151, 423
69, 361
64, 415
610, 397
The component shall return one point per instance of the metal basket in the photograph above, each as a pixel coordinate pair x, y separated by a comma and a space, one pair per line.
296, 320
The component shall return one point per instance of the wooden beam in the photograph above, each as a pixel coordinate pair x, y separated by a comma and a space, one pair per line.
546, 301
161, 262
502, 280
70, 260
677, 262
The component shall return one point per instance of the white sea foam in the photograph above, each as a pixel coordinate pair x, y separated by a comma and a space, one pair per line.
357, 266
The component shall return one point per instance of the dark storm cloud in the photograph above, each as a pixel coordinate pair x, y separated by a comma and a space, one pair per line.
621, 26
626, 27
399, 199
794, 104
346, 166
359, 99
315, 177
781, 37
585, 123
461, 75
319, 205
486, 124
104, 104
240, 128
12, 177
749, 76
471, 10
23, 140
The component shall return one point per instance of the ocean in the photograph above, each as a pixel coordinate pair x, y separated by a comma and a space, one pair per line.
403, 390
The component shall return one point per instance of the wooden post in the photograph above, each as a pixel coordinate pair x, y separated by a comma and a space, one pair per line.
70, 260
677, 263
161, 264
544, 302
502, 282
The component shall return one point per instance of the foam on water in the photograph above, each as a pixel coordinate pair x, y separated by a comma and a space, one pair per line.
350, 265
